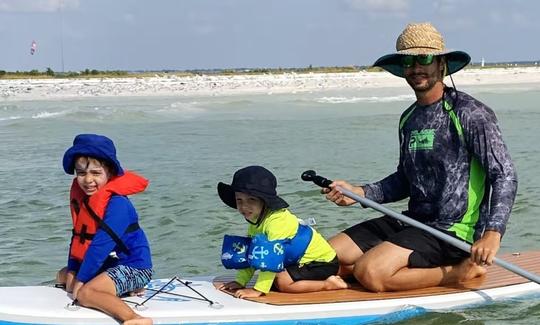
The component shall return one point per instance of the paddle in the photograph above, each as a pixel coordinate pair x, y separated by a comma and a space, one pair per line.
311, 176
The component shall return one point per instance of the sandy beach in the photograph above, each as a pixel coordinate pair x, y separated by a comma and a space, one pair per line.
172, 85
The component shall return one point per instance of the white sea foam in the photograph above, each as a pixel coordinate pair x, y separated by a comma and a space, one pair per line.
44, 115
182, 107
9, 118
371, 99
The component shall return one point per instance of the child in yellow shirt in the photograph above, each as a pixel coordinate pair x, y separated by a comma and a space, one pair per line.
313, 263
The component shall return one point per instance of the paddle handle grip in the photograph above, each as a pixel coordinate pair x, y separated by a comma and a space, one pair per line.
311, 176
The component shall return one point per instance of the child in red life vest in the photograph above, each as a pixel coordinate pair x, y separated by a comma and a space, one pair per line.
293, 257
109, 253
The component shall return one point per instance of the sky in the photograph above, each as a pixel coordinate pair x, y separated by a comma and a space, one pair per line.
133, 35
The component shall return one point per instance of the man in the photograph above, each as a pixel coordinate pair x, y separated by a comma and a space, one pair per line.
453, 166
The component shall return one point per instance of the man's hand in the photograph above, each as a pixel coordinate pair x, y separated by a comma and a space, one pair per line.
247, 293
484, 250
336, 196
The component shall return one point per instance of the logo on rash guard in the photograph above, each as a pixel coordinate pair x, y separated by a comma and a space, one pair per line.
422, 140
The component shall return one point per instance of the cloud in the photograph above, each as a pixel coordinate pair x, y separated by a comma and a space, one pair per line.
447, 7
514, 18
129, 18
380, 6
37, 5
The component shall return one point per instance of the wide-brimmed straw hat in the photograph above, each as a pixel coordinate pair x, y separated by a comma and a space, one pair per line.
421, 39
253, 180
91, 145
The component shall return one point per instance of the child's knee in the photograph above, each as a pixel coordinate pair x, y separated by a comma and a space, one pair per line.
84, 295
61, 275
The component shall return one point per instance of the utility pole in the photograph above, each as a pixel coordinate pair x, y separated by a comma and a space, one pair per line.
62, 35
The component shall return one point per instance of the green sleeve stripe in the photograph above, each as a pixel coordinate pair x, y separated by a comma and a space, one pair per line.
477, 177
455, 119
406, 117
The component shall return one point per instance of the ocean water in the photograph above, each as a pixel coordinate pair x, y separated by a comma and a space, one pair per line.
186, 145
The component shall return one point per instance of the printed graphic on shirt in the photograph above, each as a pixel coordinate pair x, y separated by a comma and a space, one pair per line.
422, 140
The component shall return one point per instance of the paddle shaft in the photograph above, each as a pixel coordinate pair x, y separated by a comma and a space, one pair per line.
323, 182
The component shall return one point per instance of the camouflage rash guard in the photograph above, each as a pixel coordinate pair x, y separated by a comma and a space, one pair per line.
454, 166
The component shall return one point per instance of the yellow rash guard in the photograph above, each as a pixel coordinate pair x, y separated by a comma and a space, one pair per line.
282, 224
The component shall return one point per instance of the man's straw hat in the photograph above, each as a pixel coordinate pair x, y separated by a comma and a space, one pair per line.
421, 39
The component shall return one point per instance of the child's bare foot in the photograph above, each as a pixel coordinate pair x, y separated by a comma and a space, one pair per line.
139, 321
335, 282
139, 292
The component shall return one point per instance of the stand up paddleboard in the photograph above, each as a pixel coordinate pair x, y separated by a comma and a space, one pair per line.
197, 301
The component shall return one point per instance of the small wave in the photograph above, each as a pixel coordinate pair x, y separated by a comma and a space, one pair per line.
48, 114
9, 118
181, 107
372, 99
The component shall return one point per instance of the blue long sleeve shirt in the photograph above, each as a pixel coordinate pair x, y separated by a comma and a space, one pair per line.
119, 214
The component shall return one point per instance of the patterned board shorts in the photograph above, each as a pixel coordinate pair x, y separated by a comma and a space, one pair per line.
128, 279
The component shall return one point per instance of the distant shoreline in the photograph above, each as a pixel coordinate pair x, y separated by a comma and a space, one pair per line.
234, 84
87, 73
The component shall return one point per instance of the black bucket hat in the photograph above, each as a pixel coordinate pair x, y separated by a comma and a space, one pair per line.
421, 39
253, 180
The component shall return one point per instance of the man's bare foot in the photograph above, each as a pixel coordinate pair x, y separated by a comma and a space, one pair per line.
139, 321
335, 282
468, 270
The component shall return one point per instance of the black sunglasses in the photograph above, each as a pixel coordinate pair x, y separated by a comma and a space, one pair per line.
407, 61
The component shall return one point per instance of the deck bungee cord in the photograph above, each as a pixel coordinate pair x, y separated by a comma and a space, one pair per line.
211, 304
72, 306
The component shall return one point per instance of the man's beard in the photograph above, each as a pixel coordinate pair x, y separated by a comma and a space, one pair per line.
430, 82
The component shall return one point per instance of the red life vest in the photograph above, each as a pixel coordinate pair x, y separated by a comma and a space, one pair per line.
87, 212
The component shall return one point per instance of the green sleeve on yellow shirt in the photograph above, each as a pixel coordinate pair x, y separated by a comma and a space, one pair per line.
279, 225
244, 275
264, 281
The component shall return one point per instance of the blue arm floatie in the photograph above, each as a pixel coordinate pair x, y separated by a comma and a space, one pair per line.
263, 254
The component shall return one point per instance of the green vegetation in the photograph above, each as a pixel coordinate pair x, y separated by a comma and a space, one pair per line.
93, 73
87, 73
49, 74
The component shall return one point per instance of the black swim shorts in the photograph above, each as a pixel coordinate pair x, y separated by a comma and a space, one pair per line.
428, 250
313, 270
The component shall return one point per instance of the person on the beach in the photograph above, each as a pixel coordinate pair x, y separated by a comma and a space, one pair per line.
109, 253
453, 166
310, 264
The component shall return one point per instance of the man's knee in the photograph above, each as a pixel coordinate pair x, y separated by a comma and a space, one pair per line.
346, 249
371, 277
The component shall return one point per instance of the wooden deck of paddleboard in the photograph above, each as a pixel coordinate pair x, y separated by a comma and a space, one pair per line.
495, 277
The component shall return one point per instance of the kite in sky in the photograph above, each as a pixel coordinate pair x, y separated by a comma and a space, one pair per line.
33, 48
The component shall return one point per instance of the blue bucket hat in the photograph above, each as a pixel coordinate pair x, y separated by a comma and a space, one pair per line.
253, 180
91, 145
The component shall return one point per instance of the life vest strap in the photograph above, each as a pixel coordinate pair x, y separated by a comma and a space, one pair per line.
108, 229
83, 236
75, 205
86, 236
